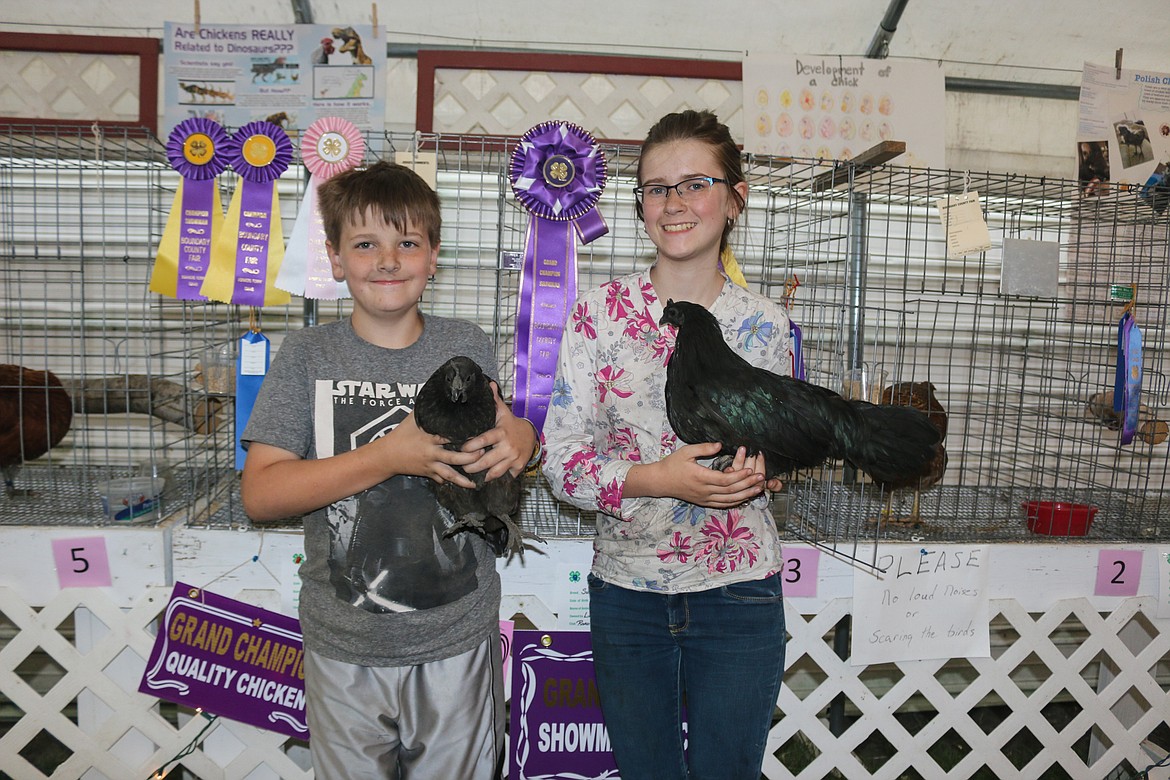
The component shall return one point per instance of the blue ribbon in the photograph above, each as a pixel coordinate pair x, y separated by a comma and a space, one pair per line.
1127, 386
248, 382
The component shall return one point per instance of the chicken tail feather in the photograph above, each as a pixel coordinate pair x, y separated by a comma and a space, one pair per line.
893, 443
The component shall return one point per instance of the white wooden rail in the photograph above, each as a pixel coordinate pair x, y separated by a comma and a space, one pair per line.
71, 660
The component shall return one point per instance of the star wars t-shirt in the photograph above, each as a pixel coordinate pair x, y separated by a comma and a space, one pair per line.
382, 582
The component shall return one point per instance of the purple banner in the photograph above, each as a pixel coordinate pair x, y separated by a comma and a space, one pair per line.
558, 174
557, 732
548, 287
230, 659
194, 237
252, 244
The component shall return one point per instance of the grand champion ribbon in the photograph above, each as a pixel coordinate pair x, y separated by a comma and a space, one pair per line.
330, 146
246, 257
558, 174
195, 151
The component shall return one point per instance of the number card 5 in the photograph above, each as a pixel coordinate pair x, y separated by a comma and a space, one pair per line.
82, 563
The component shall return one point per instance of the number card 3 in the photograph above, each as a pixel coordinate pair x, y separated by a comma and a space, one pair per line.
800, 571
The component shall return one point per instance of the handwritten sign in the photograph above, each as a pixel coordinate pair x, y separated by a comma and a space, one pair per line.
1118, 572
927, 603
82, 563
231, 659
800, 571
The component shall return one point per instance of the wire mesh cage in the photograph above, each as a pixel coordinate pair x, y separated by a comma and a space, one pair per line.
79, 214
1018, 344
1019, 341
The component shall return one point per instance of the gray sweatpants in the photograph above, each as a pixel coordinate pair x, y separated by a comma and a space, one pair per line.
437, 721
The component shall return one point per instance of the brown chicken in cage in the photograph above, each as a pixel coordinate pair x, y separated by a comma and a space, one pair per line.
37, 408
920, 396
35, 414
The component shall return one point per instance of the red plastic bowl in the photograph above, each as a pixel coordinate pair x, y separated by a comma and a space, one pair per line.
1056, 518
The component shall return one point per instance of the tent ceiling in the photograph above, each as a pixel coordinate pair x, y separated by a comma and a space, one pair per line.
1039, 41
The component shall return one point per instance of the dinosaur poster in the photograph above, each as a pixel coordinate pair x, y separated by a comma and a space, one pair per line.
288, 74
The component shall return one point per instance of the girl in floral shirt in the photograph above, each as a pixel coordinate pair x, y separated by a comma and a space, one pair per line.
687, 622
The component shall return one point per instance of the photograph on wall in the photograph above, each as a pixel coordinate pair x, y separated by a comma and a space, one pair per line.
833, 108
289, 75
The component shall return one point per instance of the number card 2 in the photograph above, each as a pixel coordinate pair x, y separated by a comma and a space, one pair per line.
82, 563
1118, 572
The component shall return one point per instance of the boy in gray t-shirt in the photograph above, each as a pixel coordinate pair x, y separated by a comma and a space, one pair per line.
400, 621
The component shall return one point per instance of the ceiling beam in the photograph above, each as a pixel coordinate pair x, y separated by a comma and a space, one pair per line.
879, 47
302, 11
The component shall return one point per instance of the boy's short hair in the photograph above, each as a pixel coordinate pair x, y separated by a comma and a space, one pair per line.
392, 191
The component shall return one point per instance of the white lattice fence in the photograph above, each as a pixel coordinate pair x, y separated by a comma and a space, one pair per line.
93, 652
1115, 715
1077, 685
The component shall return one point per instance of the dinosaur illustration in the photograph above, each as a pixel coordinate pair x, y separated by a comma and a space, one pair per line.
202, 94
355, 89
352, 42
266, 70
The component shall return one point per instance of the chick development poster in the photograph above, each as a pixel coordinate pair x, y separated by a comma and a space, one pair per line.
832, 107
287, 74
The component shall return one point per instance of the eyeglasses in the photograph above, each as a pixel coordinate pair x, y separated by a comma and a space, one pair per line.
687, 189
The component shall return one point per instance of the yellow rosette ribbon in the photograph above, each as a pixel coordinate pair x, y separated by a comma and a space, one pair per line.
195, 150
246, 257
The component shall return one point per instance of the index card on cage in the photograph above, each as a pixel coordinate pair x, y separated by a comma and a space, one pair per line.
425, 164
962, 221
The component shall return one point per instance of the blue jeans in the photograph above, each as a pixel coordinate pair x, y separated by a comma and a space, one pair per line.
716, 657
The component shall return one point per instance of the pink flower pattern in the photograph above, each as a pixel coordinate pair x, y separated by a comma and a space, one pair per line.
608, 377
624, 444
583, 321
617, 301
726, 546
678, 548
580, 467
610, 499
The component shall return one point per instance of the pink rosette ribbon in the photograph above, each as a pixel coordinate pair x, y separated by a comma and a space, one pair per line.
558, 174
328, 147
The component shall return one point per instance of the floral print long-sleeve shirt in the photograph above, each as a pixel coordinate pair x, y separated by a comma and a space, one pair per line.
608, 412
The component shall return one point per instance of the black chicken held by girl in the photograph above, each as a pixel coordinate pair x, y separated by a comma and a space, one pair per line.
457, 403
714, 395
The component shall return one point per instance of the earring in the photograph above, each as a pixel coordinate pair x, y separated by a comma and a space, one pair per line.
431, 278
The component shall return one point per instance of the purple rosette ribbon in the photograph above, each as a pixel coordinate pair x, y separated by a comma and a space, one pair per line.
558, 174
195, 149
259, 152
